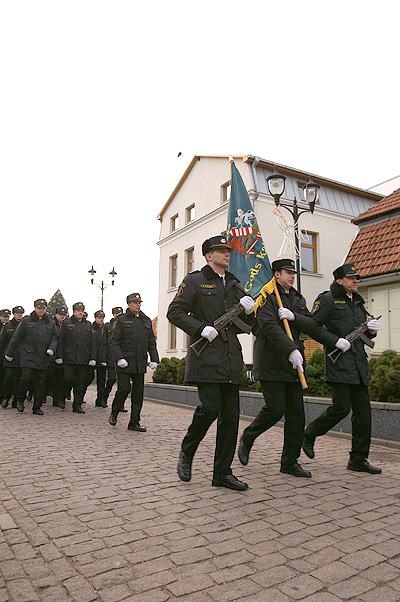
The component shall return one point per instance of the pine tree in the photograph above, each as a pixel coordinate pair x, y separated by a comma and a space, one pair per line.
57, 300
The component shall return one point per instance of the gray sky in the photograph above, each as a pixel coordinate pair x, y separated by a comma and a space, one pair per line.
99, 97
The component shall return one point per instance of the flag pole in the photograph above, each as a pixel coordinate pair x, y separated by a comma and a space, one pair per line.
289, 334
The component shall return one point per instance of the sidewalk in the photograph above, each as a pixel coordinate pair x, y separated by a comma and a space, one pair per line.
91, 512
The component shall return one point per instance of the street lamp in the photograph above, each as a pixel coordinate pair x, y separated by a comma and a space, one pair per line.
103, 284
276, 187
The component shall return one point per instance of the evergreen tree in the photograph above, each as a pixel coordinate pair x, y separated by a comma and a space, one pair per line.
57, 300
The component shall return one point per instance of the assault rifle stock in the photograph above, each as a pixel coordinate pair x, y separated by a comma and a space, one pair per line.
355, 335
221, 324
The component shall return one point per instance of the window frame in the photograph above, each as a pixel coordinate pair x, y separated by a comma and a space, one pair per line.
173, 269
313, 246
174, 225
188, 210
189, 261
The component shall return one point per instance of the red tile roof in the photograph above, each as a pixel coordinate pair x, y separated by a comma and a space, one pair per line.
386, 205
376, 248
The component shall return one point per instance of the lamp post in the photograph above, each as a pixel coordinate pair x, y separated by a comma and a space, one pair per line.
103, 284
276, 187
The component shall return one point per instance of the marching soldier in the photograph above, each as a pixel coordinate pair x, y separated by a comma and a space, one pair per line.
55, 372
203, 297
276, 359
12, 375
132, 338
76, 350
100, 339
4, 318
341, 310
36, 339
111, 373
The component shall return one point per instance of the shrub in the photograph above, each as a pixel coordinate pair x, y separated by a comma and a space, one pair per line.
180, 371
384, 372
166, 371
315, 374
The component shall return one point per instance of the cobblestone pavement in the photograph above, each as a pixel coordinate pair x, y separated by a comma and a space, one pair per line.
91, 512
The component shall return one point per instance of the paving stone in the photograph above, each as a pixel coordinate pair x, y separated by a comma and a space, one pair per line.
381, 594
302, 586
7, 522
351, 588
22, 591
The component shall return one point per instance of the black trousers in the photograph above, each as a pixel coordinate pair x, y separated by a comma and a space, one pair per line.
217, 401
100, 372
111, 379
55, 381
344, 398
2, 376
281, 399
34, 381
11, 382
74, 377
124, 388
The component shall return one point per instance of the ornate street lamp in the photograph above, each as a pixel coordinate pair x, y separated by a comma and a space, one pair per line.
276, 187
103, 284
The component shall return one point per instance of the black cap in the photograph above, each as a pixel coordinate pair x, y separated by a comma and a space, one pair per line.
99, 314
345, 271
78, 305
5, 312
133, 297
117, 310
61, 311
283, 264
18, 309
40, 303
214, 242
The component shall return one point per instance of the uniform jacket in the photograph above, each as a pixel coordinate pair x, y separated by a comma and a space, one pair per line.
109, 359
272, 345
33, 337
132, 338
101, 340
200, 300
6, 335
340, 315
76, 342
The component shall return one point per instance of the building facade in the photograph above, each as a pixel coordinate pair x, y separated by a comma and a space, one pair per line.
197, 209
376, 254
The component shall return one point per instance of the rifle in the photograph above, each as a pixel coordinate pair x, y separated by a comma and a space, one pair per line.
221, 324
352, 337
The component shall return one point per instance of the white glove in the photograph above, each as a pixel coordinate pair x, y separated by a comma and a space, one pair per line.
209, 333
92, 363
122, 363
296, 359
103, 364
8, 358
373, 326
248, 304
343, 345
153, 365
50, 352
59, 361
285, 313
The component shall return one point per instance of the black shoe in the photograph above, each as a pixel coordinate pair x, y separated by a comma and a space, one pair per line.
61, 404
229, 481
243, 452
184, 467
37, 411
4, 403
78, 410
308, 446
124, 411
296, 470
137, 427
363, 466
112, 420
20, 406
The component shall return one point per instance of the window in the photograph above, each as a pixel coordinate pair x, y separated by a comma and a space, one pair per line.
173, 270
172, 336
226, 192
309, 251
190, 213
174, 223
189, 260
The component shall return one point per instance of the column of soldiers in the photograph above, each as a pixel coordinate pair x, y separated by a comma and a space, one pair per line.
207, 294
61, 356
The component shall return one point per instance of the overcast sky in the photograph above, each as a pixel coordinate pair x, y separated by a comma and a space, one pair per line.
97, 99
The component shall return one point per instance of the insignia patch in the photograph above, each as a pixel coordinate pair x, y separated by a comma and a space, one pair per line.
207, 285
181, 289
316, 306
337, 301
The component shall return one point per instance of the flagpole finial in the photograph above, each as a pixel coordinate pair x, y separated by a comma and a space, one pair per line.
230, 159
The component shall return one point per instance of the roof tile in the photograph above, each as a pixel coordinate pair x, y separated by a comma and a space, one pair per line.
376, 248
